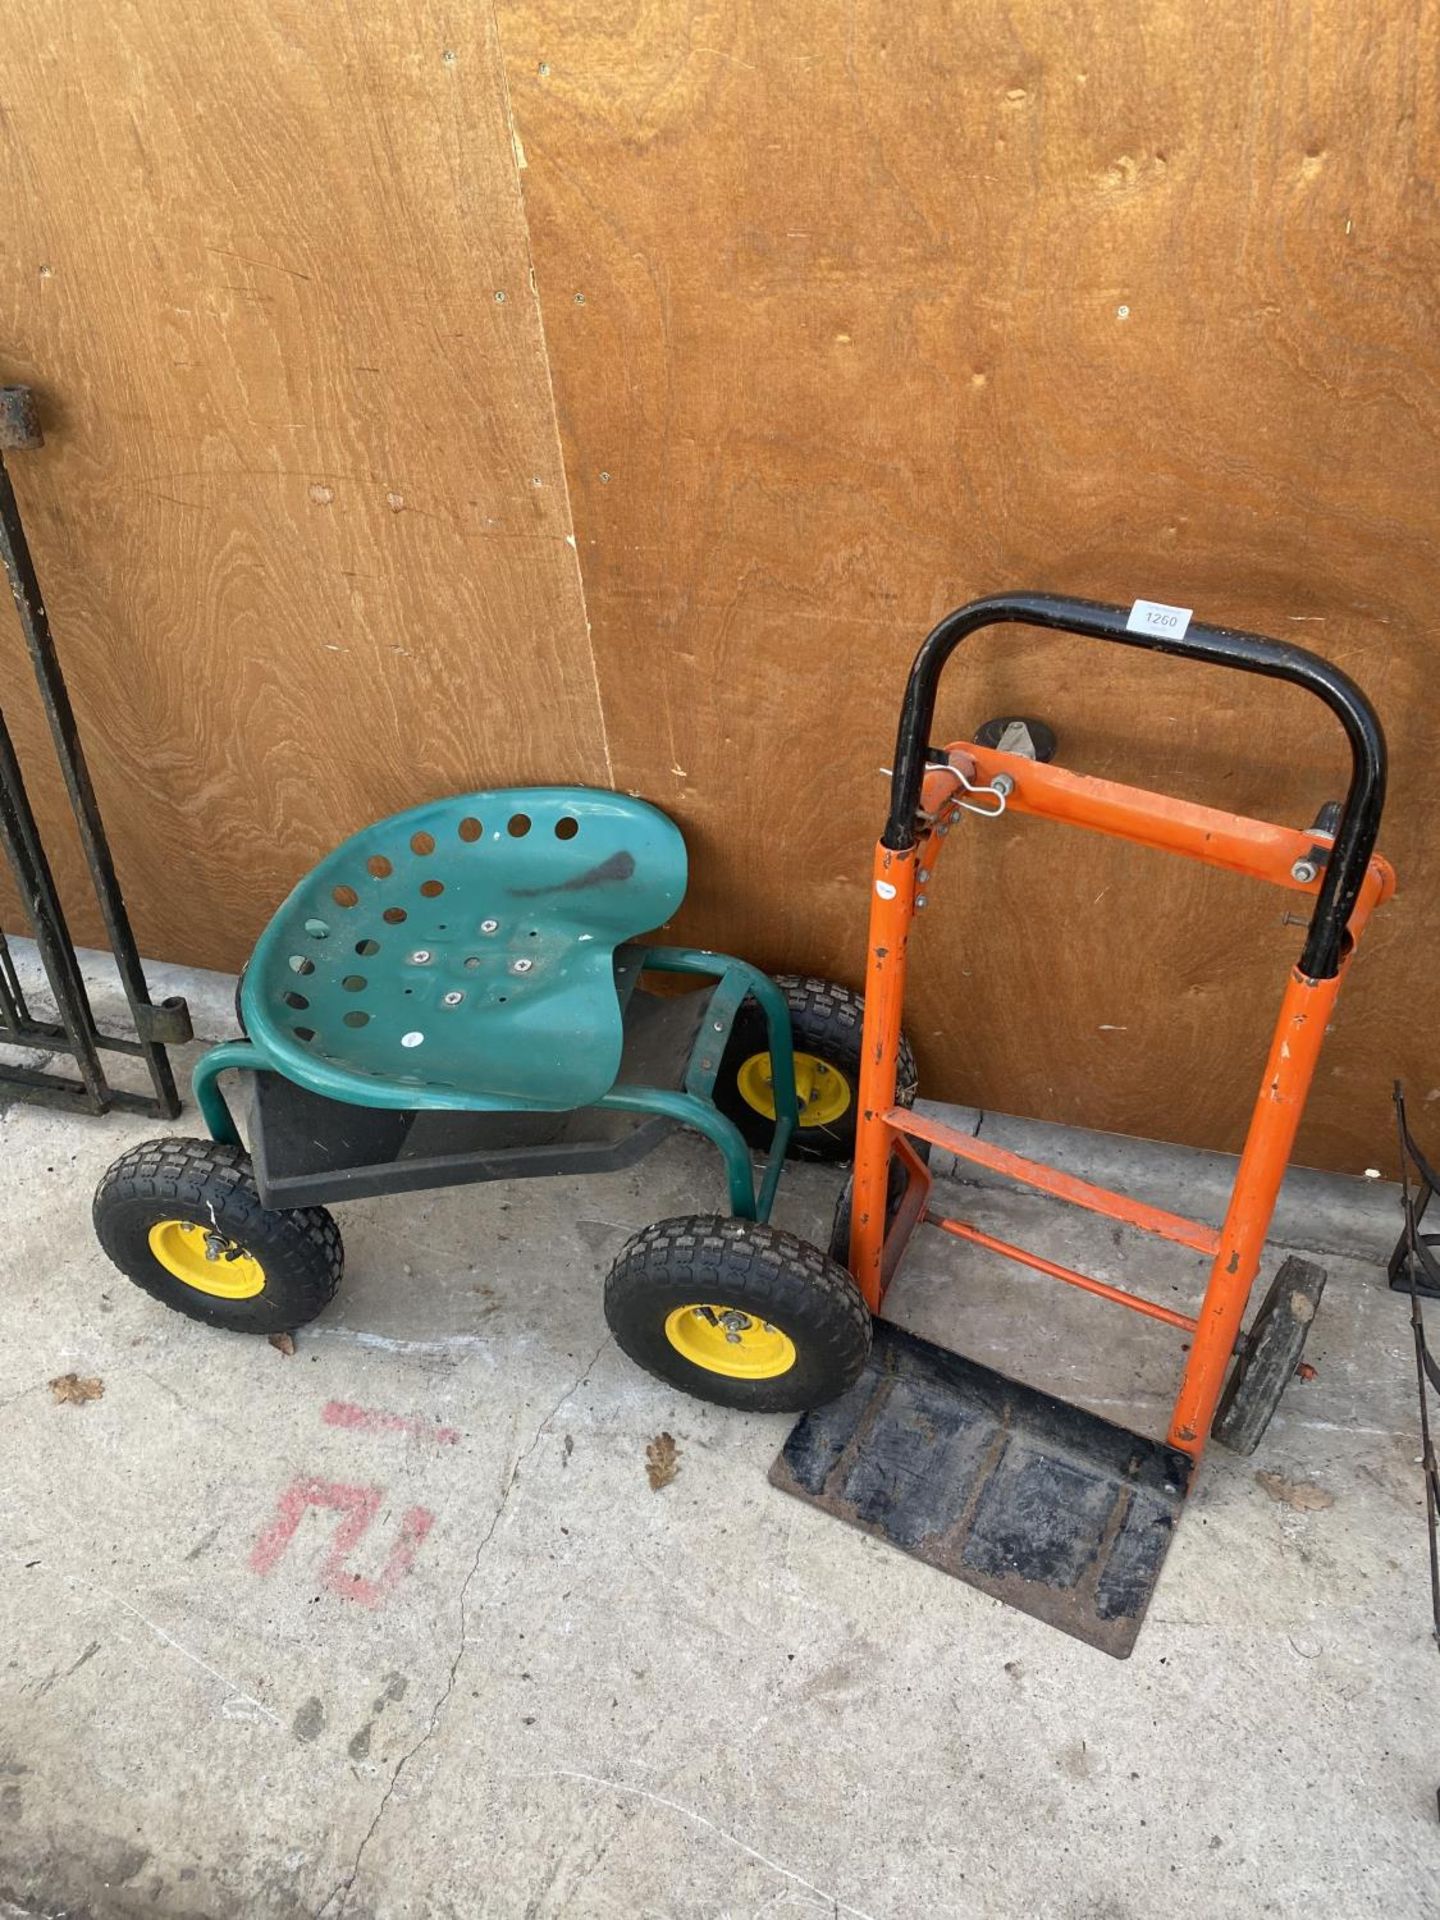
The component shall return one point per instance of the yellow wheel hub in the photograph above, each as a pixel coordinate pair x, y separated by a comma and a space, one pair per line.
822, 1091
204, 1259
730, 1341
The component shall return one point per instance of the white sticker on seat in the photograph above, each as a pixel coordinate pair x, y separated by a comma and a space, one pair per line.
1153, 616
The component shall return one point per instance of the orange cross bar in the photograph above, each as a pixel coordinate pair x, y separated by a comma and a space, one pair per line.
1229, 840
963, 1231
1064, 1186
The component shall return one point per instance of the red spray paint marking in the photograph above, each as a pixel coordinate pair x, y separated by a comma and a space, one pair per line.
344, 1413
358, 1507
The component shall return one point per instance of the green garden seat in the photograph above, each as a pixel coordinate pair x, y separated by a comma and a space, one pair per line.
462, 954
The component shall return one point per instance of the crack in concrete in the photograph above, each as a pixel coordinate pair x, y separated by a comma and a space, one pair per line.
206, 1413
343, 1887
823, 1894
232, 1688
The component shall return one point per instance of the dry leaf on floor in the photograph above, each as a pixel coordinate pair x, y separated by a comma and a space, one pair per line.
70, 1387
283, 1343
1302, 1494
661, 1462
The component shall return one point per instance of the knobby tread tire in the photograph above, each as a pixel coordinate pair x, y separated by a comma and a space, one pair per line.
762, 1270
211, 1184
827, 1021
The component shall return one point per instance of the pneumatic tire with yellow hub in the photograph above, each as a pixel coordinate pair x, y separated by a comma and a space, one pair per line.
184, 1220
738, 1313
826, 1022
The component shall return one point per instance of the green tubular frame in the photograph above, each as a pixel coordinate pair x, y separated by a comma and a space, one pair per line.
694, 1107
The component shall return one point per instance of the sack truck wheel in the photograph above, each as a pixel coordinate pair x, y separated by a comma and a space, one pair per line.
1267, 1360
894, 1194
184, 1220
741, 1314
827, 1021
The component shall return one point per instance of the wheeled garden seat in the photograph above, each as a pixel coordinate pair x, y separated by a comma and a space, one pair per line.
465, 957
458, 994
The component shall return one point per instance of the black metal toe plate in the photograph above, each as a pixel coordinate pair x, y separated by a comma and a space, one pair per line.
1044, 1506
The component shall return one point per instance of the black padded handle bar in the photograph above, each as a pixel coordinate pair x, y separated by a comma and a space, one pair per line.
1218, 646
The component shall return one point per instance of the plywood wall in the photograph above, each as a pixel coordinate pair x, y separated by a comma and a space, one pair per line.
849, 314
302, 518
856, 312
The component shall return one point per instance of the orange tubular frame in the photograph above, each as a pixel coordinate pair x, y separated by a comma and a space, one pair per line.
1280, 855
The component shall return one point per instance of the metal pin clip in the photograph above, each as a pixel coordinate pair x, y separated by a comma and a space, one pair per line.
999, 790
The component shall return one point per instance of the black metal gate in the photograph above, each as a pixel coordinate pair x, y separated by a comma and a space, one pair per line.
75, 1030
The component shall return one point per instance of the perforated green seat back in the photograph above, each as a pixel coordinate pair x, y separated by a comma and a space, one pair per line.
461, 953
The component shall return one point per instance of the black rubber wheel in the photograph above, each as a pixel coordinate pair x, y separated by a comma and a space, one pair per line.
1266, 1363
894, 1193
682, 1288
827, 1023
175, 1207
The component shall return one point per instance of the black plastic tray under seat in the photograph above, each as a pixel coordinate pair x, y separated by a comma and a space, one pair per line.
310, 1151
1038, 1503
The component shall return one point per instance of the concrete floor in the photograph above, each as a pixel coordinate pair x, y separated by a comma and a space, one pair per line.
557, 1692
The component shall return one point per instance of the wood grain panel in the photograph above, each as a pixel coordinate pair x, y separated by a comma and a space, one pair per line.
301, 516
856, 312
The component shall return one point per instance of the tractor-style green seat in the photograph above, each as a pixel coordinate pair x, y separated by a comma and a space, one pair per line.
461, 954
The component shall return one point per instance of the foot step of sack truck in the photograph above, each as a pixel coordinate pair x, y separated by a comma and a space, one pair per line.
1038, 1503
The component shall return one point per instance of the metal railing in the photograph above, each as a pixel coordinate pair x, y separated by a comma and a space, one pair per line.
75, 1030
